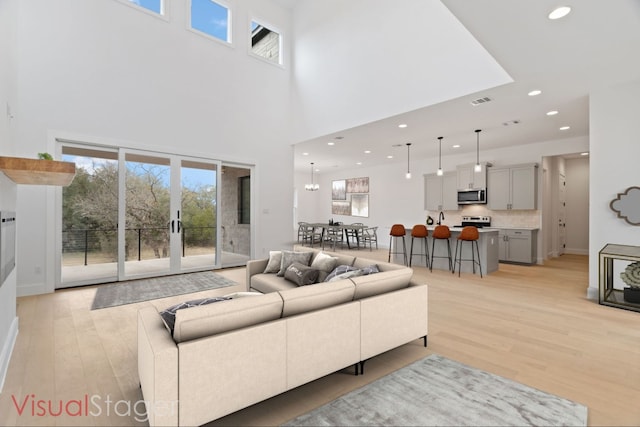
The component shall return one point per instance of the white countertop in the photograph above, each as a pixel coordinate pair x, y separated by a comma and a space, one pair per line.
458, 229
516, 228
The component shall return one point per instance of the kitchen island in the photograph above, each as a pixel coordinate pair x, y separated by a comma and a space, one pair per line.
487, 245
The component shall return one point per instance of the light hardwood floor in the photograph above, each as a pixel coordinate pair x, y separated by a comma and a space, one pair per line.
532, 324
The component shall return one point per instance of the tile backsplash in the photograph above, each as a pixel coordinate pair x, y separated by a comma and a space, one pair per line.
511, 218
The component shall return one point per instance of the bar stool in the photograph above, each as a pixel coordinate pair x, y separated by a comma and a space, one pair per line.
468, 234
419, 231
441, 232
398, 230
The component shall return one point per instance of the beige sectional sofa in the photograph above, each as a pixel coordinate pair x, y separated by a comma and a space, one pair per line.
229, 355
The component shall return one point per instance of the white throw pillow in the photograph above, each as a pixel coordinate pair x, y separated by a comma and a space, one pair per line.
325, 264
275, 259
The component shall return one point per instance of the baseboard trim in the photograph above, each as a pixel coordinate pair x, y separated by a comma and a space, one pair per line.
7, 350
592, 293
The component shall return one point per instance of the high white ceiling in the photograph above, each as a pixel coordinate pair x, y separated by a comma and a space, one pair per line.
597, 44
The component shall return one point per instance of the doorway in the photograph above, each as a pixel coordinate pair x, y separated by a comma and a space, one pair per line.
131, 214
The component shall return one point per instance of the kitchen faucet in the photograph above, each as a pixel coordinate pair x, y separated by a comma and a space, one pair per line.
440, 218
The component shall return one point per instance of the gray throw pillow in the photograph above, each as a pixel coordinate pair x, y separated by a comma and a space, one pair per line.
169, 315
371, 269
275, 260
289, 257
300, 274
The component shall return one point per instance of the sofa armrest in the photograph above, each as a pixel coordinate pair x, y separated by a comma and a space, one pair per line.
157, 368
255, 266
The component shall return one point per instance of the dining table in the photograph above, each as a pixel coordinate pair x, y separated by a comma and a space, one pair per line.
343, 229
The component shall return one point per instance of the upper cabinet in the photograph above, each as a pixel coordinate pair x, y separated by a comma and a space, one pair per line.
512, 187
440, 193
469, 179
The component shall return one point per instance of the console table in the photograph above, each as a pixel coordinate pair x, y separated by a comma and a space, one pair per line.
608, 295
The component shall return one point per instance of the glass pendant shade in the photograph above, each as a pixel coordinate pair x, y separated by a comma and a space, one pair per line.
312, 186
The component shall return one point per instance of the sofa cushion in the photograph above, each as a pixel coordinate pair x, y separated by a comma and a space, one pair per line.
301, 274
169, 314
289, 257
308, 298
212, 319
379, 283
275, 260
267, 283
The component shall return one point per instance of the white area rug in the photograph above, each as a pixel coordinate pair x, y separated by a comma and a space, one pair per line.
437, 391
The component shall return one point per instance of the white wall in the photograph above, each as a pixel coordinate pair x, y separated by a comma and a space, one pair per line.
394, 199
102, 71
8, 318
336, 40
614, 154
577, 198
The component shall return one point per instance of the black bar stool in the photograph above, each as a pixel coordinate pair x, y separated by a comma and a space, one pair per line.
419, 231
441, 232
398, 230
468, 234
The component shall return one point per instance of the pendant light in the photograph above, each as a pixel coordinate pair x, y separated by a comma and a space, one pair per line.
312, 186
439, 173
408, 174
478, 167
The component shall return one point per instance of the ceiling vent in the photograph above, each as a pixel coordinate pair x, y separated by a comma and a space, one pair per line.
479, 101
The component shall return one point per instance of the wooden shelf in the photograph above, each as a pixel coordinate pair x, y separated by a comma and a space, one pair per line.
38, 172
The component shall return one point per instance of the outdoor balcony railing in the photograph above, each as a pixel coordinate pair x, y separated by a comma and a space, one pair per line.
85, 246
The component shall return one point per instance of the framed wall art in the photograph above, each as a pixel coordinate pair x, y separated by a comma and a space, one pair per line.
339, 190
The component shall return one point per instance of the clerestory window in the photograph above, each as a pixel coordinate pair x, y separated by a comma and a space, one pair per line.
212, 19
266, 43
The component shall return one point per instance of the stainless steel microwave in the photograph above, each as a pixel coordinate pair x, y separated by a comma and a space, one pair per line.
472, 197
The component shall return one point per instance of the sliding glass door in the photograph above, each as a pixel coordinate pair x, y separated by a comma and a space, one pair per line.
132, 214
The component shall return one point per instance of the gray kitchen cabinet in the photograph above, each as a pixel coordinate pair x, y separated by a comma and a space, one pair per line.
469, 179
512, 187
517, 245
440, 193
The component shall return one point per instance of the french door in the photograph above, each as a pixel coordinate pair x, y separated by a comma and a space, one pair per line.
132, 214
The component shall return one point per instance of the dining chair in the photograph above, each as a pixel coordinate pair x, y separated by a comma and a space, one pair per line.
369, 235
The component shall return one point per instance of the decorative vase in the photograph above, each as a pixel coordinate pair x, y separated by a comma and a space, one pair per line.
631, 276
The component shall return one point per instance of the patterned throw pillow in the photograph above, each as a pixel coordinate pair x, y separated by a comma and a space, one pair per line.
275, 259
348, 274
341, 269
169, 315
289, 257
300, 274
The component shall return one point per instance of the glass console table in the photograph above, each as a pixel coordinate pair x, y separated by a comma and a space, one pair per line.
608, 293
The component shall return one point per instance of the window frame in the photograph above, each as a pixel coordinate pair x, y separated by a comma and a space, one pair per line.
230, 23
164, 9
242, 181
270, 27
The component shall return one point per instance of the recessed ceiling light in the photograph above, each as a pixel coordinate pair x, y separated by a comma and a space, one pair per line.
305, 154
403, 125
389, 157
331, 143
456, 146
584, 154
560, 12
565, 128
552, 113
359, 163
535, 92
367, 151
